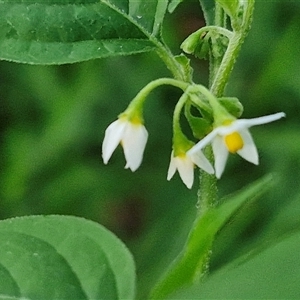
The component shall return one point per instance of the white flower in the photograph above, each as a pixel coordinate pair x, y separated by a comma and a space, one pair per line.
235, 138
133, 138
185, 163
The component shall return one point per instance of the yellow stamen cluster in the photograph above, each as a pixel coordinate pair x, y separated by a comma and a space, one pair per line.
234, 142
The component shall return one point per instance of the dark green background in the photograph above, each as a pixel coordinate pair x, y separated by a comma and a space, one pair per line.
52, 123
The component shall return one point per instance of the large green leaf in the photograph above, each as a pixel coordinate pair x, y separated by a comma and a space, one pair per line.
272, 274
66, 31
189, 265
60, 257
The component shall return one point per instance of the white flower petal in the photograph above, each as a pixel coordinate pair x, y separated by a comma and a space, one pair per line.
204, 142
249, 151
186, 170
113, 136
246, 123
228, 129
221, 155
241, 124
172, 167
134, 141
217, 138
202, 162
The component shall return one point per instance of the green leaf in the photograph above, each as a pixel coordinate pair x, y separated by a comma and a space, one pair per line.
188, 266
232, 105
200, 126
61, 257
184, 64
67, 31
272, 274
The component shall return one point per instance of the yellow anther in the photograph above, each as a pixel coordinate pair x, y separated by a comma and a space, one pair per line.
234, 142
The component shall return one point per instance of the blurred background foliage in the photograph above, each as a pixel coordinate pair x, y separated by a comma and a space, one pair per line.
53, 118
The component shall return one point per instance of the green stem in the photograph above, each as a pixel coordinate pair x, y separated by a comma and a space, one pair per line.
193, 266
171, 63
220, 17
218, 29
136, 105
219, 112
143, 93
209, 96
219, 76
177, 111
208, 191
235, 43
180, 142
222, 75
214, 63
207, 199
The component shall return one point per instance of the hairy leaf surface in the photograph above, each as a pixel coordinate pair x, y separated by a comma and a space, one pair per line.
67, 31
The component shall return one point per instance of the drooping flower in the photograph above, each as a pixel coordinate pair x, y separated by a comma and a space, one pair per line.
132, 135
185, 164
234, 137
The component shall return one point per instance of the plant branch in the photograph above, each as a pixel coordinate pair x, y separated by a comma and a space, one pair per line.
235, 43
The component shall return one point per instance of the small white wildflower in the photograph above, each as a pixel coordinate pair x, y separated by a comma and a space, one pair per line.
185, 164
233, 136
133, 138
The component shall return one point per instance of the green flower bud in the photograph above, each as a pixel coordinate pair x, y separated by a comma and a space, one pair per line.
207, 39
219, 45
197, 43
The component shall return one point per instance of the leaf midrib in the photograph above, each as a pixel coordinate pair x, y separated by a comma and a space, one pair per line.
149, 35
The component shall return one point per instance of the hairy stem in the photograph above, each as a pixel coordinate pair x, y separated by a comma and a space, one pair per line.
168, 58
138, 101
220, 71
221, 78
